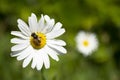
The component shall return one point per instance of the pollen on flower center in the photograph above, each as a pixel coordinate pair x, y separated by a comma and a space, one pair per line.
85, 43
38, 40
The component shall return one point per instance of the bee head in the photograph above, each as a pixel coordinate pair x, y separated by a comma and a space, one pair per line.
34, 35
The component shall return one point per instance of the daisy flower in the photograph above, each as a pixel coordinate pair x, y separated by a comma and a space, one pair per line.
86, 42
37, 41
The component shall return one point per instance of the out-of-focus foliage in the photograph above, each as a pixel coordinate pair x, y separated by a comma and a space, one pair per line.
98, 16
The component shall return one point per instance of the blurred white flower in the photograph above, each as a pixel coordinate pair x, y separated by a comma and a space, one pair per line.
86, 42
36, 42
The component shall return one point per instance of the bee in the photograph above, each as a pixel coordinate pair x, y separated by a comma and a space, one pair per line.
36, 39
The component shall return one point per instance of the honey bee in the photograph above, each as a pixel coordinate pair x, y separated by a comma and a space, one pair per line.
36, 39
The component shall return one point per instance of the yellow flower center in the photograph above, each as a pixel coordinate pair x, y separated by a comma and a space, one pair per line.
85, 43
38, 40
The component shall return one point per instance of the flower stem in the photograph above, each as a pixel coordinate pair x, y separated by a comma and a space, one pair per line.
42, 74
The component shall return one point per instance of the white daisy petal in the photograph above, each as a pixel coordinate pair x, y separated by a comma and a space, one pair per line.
23, 27
51, 53
47, 18
48, 27
56, 42
34, 62
27, 60
18, 40
46, 60
57, 26
15, 53
41, 23
39, 61
51, 23
20, 46
58, 48
19, 34
25, 53
54, 34
33, 23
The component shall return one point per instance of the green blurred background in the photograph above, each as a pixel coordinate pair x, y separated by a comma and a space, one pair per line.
98, 16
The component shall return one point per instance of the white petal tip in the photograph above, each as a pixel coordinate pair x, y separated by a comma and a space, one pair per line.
12, 32
11, 40
63, 43
42, 16
63, 30
18, 58
11, 55
18, 20
47, 67
65, 51
59, 23
38, 69
24, 66
57, 60
47, 18
32, 14
33, 67
12, 49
